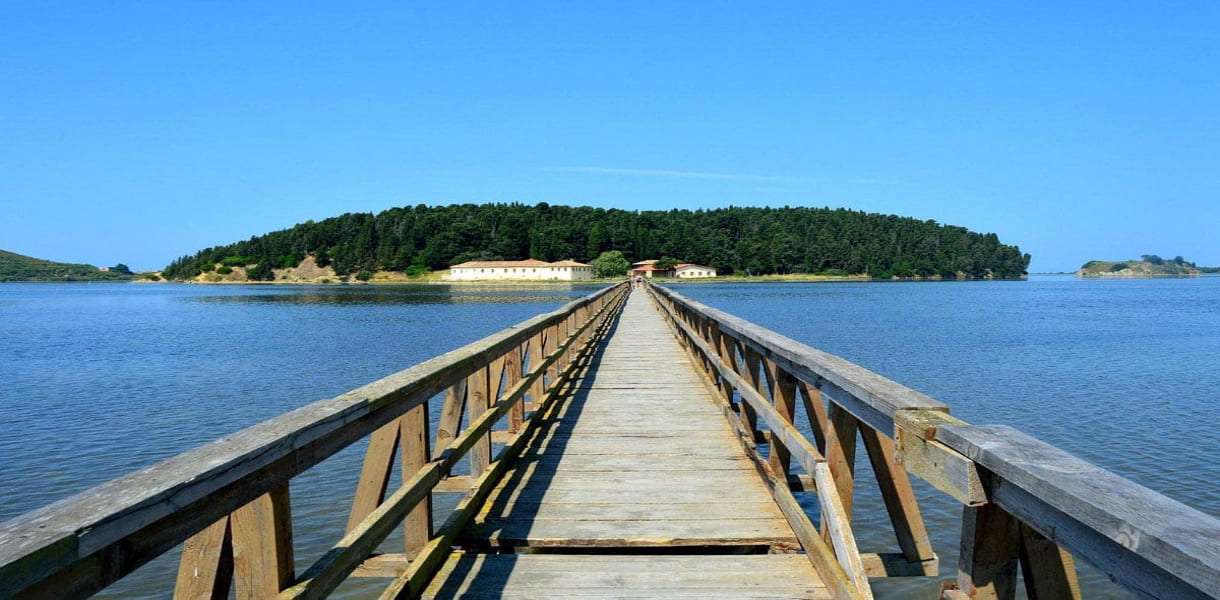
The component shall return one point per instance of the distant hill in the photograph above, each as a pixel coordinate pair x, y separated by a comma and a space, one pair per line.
745, 240
1149, 266
15, 267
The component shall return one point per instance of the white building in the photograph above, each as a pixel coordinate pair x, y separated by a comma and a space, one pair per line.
693, 271
522, 270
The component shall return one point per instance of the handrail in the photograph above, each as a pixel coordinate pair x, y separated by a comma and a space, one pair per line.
1020, 496
77, 546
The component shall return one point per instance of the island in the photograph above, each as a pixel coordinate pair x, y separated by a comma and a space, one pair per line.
17, 267
1149, 266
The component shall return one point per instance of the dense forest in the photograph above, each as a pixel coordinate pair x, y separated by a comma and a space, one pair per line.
16, 267
751, 241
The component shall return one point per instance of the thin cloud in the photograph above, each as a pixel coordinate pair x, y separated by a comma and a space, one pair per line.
677, 174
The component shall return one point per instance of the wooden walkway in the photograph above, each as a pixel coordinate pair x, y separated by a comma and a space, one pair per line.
635, 488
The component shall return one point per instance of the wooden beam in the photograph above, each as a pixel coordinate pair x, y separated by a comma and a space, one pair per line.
375, 472
262, 546
900, 501
987, 567
206, 567
1150, 544
417, 526
1048, 570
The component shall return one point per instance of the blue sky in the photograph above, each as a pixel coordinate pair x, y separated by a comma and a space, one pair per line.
139, 132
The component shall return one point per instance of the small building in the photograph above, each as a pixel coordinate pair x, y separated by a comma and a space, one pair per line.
520, 270
649, 269
693, 271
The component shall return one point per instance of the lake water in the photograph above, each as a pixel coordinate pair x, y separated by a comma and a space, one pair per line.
101, 379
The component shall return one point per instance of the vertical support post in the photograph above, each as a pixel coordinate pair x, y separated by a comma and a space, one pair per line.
783, 395
417, 526
987, 569
1048, 570
841, 454
815, 410
899, 498
206, 569
753, 361
535, 357
262, 545
477, 402
451, 416
516, 414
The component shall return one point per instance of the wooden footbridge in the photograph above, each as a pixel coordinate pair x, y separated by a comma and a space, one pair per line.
632, 444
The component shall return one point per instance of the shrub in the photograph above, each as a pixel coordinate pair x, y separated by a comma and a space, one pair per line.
223, 270
207, 267
235, 261
364, 275
1114, 268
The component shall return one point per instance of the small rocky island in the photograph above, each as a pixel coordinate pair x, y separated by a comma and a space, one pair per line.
1149, 266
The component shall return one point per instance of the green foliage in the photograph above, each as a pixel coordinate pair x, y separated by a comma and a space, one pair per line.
1114, 268
611, 263
121, 269
289, 261
16, 267
223, 270
1152, 259
667, 262
364, 275
151, 276
758, 240
208, 267
261, 272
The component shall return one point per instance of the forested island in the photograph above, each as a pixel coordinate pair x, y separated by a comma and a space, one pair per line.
734, 240
16, 267
1148, 266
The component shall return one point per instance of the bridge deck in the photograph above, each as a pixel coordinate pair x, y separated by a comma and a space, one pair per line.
639, 464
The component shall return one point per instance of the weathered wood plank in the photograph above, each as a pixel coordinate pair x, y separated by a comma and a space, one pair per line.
1149, 543
591, 576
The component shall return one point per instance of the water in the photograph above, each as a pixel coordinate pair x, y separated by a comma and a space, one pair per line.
101, 379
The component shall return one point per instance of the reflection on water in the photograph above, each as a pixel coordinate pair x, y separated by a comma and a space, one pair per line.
407, 294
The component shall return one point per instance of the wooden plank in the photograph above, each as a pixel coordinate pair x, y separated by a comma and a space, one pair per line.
450, 423
595, 576
262, 546
900, 502
1048, 570
375, 472
841, 454
478, 401
946, 469
987, 567
783, 396
836, 520
1150, 544
206, 567
417, 526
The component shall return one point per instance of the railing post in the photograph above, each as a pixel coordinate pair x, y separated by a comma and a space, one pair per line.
417, 526
451, 416
251, 548
783, 396
477, 403
987, 567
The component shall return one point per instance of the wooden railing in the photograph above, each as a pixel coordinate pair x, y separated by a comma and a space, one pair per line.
229, 501
1025, 503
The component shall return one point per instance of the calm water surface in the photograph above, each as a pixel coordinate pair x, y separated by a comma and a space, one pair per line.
101, 379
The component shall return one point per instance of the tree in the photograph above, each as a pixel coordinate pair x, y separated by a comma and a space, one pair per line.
122, 269
666, 263
611, 264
